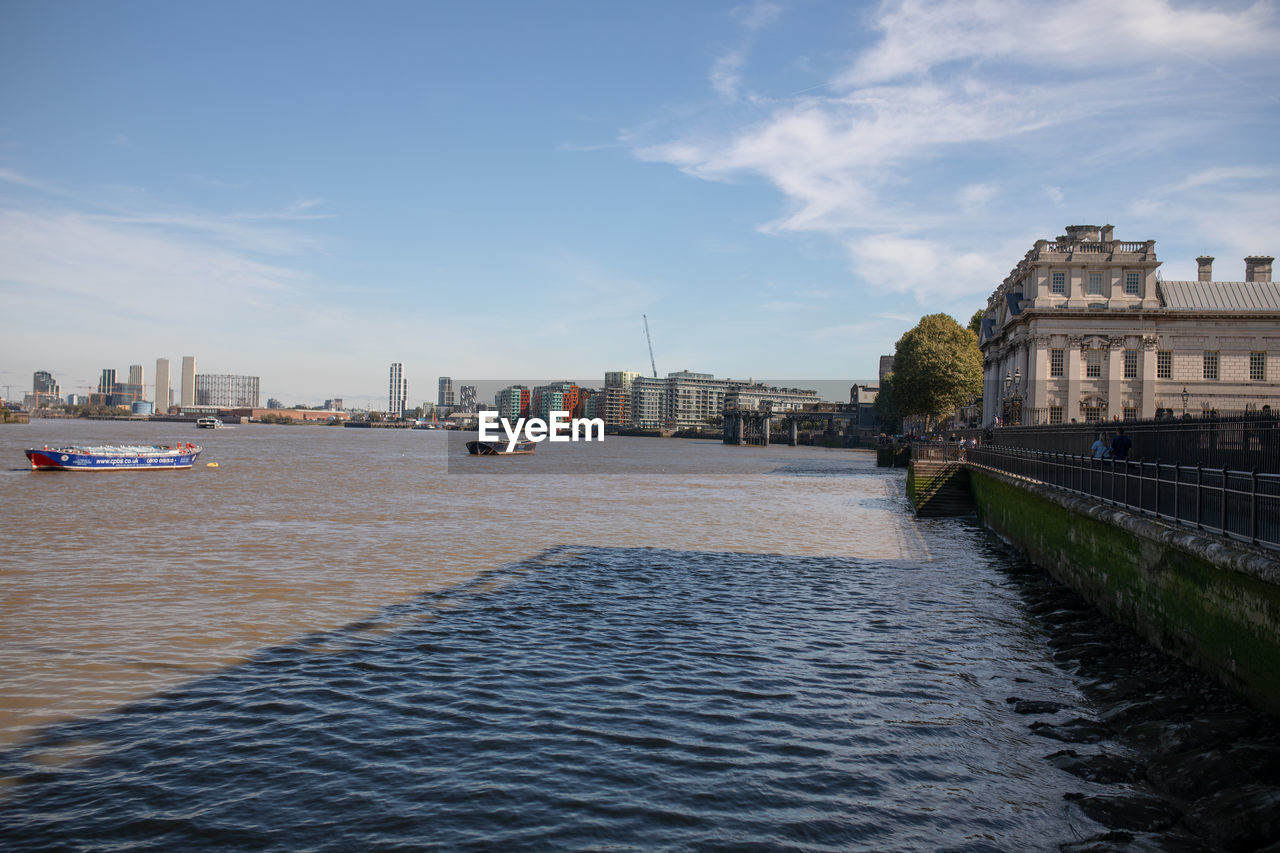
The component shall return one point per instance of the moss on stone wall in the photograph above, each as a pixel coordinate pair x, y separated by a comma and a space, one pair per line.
1221, 619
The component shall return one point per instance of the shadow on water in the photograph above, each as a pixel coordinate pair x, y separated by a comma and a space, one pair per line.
648, 698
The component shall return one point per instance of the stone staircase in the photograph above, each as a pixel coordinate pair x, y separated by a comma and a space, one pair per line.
939, 488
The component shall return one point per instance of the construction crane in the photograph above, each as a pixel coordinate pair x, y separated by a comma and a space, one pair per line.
650, 340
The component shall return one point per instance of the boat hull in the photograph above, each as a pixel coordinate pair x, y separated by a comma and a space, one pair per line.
113, 459
499, 448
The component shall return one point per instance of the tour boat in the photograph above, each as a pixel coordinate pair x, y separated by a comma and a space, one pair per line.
500, 448
115, 457
208, 423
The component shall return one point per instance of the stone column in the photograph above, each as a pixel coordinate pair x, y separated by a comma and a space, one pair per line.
1075, 357
1149, 347
1115, 377
793, 437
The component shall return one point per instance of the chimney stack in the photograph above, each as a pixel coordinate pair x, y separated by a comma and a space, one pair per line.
1257, 268
1108, 233
1206, 267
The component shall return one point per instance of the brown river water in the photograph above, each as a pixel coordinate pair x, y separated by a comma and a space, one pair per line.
119, 584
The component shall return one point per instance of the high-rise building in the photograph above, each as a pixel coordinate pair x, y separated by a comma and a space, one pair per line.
446, 400
397, 391
513, 402
135, 374
648, 401
226, 390
188, 381
107, 381
467, 398
162, 385
42, 382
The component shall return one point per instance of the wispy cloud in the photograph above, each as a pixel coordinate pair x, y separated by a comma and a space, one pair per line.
901, 158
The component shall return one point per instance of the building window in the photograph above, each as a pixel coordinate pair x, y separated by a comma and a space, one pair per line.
1210, 364
1133, 284
1130, 413
1130, 363
1257, 367
1093, 363
1057, 358
1095, 284
1164, 364
1055, 414
1059, 284
1092, 414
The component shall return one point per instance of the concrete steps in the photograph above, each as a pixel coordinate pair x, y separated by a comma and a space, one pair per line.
939, 488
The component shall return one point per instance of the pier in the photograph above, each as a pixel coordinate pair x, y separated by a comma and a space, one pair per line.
755, 428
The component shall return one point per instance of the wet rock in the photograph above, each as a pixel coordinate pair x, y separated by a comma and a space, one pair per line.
1119, 841
1196, 774
1077, 730
1132, 711
1200, 732
1241, 818
1101, 768
1029, 706
1130, 811
1260, 760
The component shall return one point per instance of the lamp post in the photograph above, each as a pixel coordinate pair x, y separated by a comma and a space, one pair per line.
1185, 395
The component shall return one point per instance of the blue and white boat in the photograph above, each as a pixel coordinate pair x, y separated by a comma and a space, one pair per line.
114, 457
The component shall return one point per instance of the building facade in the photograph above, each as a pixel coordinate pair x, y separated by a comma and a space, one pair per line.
397, 391
467, 398
187, 391
756, 397
445, 398
162, 385
1083, 329
226, 391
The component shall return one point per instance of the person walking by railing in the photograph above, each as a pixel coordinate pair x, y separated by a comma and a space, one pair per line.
1100, 449
1121, 445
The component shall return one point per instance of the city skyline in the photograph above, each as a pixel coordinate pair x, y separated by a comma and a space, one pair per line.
466, 188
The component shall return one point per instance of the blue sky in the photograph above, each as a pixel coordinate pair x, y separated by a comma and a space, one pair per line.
309, 191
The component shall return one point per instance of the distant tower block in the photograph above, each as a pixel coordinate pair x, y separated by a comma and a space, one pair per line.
162, 385
188, 381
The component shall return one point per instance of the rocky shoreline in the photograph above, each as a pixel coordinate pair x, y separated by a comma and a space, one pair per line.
1169, 760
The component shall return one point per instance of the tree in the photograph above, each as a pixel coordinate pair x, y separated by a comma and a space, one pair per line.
886, 410
937, 367
975, 322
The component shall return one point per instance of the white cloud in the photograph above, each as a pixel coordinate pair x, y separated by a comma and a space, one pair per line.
920, 35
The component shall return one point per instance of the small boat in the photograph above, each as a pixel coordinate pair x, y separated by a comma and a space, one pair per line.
208, 423
114, 457
500, 448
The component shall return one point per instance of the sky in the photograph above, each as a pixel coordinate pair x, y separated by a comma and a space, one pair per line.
310, 191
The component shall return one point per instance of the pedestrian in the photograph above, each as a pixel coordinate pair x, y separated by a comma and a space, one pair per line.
1100, 449
1121, 445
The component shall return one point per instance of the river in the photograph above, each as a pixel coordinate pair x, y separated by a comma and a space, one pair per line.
347, 639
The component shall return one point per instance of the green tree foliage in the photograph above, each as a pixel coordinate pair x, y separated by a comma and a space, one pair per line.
886, 410
937, 367
975, 322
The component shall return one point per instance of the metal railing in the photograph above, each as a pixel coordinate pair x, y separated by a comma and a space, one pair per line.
1242, 442
1242, 505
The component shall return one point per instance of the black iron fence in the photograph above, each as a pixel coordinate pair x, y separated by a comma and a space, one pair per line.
1241, 443
1243, 505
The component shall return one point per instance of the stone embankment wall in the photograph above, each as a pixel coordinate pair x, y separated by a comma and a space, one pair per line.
1211, 603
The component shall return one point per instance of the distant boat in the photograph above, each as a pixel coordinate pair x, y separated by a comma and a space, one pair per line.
208, 423
500, 448
114, 457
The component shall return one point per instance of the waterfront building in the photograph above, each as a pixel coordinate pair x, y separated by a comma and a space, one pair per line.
445, 399
226, 391
107, 381
648, 401
1085, 329
757, 397
692, 398
467, 398
397, 392
188, 389
44, 391
620, 378
512, 402
162, 385
863, 400
613, 405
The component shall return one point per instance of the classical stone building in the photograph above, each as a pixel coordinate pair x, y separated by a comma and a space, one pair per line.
1083, 329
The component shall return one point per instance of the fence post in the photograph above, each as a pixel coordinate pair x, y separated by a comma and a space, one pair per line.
1253, 507
1199, 493
1223, 525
